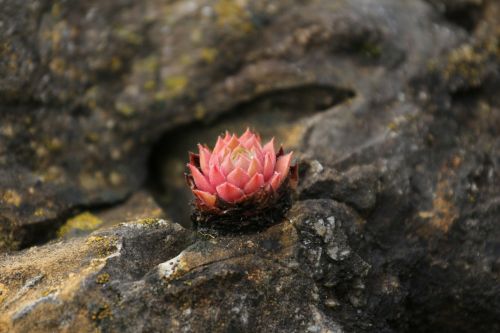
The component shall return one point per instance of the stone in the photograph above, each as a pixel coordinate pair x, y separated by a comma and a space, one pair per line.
152, 273
395, 224
87, 89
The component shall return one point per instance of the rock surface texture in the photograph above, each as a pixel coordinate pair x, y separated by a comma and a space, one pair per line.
396, 223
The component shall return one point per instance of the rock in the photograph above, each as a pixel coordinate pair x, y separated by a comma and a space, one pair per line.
54, 281
357, 187
87, 88
139, 206
152, 273
395, 228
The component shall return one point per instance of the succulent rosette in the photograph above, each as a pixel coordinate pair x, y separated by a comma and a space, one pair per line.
240, 181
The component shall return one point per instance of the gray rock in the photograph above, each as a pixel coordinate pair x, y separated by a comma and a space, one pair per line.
395, 228
146, 276
86, 88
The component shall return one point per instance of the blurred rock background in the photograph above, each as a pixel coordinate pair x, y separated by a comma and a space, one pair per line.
392, 107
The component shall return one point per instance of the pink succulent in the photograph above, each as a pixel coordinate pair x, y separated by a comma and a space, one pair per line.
237, 169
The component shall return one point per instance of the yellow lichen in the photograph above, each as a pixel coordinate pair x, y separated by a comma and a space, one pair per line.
91, 97
102, 278
41, 151
92, 136
199, 112
181, 269
232, 14
208, 54
444, 212
124, 108
39, 212
392, 126
147, 221
56, 10
92, 181
175, 85
12, 198
48, 291
53, 173
467, 63
115, 178
196, 36
85, 221
129, 36
58, 66
186, 60
116, 64
150, 85
7, 130
54, 144
256, 275
103, 312
149, 65
102, 244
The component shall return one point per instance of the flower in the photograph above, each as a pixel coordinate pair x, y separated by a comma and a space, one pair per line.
239, 170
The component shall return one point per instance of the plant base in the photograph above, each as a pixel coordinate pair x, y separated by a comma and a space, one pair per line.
246, 217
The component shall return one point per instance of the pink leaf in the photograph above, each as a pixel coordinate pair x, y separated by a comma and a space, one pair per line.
238, 177
227, 165
200, 180
223, 153
283, 164
247, 135
269, 148
227, 137
233, 143
269, 162
250, 142
229, 192
215, 176
254, 167
207, 198
257, 153
275, 181
218, 146
255, 183
242, 162
204, 159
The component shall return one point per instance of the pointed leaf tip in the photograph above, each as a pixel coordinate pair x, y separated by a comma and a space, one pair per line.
205, 197
269, 162
199, 179
254, 184
215, 176
275, 181
238, 177
230, 193
269, 147
204, 159
283, 164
